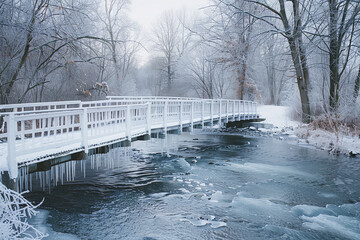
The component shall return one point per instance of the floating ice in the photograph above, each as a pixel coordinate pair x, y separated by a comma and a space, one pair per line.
184, 190
343, 220
266, 168
310, 211
342, 226
204, 220
183, 164
218, 224
259, 209
217, 196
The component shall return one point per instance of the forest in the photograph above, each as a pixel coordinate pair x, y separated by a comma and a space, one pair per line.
300, 53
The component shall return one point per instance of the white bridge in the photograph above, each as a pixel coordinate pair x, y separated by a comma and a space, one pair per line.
36, 132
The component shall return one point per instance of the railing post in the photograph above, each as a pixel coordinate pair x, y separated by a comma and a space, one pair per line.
252, 109
202, 113
84, 130
239, 107
220, 113
256, 112
148, 118
227, 111
165, 115
233, 116
243, 108
180, 116
247, 109
128, 123
11, 138
212, 113
192, 117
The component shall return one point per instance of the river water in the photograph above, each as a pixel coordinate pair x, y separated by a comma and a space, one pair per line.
201, 187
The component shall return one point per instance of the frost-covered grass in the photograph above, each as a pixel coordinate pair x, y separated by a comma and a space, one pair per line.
330, 133
14, 211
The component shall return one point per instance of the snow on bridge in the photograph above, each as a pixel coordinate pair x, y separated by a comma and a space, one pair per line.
36, 132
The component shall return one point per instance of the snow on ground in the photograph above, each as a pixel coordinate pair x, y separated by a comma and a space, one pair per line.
279, 116
330, 141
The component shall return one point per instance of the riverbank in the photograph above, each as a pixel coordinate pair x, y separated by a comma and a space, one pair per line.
278, 118
333, 142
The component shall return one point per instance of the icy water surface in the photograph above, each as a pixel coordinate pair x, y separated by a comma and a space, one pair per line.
208, 187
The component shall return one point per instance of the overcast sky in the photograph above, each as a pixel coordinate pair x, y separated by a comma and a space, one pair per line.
146, 13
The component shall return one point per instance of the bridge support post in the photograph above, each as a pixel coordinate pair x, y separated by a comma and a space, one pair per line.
84, 131
8, 181
11, 138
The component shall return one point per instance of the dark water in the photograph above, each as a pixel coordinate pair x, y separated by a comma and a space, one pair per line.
208, 187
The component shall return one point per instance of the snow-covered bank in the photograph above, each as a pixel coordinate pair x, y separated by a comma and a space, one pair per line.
335, 142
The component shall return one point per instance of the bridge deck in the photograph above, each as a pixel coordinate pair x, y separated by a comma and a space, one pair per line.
39, 132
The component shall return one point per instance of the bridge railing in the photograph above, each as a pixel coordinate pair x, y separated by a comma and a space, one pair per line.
50, 128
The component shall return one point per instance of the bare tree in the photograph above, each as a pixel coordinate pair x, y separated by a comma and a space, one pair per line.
171, 40
357, 85
291, 18
41, 39
343, 20
121, 46
276, 65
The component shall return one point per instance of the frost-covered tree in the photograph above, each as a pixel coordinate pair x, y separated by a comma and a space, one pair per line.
14, 211
120, 49
209, 78
171, 40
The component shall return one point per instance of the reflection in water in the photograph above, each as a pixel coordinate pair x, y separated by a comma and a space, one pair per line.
201, 187
68, 171
116, 158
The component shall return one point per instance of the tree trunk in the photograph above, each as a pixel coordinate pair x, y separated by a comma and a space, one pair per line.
242, 78
302, 77
298, 54
22, 61
168, 78
334, 56
357, 85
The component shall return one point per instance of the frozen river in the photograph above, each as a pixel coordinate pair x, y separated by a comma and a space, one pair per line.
207, 187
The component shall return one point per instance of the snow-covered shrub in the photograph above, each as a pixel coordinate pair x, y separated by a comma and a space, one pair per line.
14, 211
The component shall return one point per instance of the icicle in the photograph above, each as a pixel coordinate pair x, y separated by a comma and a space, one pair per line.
62, 174
84, 162
31, 183
49, 180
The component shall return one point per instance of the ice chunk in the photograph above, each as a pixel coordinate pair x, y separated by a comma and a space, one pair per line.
218, 224
217, 196
342, 226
